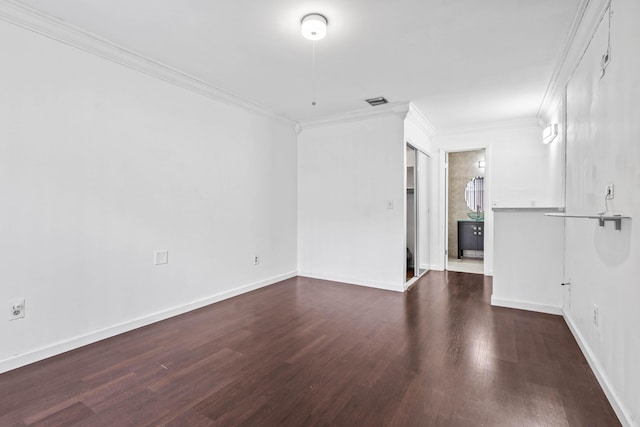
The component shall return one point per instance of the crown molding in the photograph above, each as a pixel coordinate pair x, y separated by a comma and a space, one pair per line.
399, 109
583, 27
24, 16
419, 119
522, 123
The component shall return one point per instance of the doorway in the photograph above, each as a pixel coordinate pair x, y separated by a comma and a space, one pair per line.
417, 213
465, 192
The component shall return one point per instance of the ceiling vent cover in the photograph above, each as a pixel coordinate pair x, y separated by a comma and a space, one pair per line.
376, 101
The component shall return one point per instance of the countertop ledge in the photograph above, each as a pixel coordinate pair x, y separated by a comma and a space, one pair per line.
528, 209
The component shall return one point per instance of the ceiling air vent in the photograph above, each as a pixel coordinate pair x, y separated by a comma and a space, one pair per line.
376, 101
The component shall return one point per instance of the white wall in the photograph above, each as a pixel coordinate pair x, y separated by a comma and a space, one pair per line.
602, 264
101, 165
346, 174
520, 171
420, 133
528, 257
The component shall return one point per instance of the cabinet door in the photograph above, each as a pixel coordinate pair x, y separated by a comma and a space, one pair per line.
468, 240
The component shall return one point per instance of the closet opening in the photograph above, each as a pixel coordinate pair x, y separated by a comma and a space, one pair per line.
417, 213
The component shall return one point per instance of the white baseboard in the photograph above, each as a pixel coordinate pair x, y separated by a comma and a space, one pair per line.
621, 411
352, 281
95, 336
524, 305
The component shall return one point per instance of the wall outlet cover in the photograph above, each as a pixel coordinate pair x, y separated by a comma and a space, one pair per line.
161, 257
16, 308
610, 192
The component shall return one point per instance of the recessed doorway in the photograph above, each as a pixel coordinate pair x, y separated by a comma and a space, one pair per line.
465, 211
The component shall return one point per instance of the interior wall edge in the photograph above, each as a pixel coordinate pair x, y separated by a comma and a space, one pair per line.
353, 281
421, 121
525, 305
64, 346
399, 109
577, 41
620, 410
522, 123
31, 19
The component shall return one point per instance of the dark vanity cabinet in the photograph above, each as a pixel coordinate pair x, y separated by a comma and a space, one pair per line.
470, 236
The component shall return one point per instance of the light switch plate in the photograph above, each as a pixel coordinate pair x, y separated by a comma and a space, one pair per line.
161, 257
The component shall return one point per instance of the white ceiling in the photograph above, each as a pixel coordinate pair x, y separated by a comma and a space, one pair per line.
463, 63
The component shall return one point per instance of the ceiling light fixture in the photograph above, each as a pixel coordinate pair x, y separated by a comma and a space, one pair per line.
313, 26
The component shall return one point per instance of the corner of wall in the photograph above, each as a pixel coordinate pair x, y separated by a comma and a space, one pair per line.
621, 411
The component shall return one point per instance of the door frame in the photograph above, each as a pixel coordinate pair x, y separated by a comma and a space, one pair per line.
416, 185
444, 202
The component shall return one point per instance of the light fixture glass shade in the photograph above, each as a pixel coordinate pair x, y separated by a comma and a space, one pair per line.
549, 133
314, 26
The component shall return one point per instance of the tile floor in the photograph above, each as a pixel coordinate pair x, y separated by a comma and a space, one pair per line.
466, 265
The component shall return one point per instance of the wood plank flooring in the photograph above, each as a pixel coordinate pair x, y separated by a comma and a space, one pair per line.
308, 352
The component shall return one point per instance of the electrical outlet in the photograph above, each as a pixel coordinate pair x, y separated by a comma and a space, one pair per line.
16, 308
596, 316
161, 257
256, 260
609, 192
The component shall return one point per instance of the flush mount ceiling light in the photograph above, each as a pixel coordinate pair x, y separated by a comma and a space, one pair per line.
313, 26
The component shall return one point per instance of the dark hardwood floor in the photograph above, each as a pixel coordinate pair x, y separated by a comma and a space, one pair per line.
308, 352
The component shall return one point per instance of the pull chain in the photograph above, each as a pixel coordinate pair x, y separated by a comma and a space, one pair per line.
313, 96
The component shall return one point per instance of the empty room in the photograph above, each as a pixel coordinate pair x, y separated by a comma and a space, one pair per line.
347, 213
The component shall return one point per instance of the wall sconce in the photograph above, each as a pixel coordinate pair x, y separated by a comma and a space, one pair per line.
481, 164
549, 133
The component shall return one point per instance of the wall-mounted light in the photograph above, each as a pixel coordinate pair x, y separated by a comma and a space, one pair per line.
549, 133
481, 164
313, 26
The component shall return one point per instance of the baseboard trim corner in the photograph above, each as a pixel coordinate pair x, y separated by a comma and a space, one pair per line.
352, 281
437, 267
620, 410
60, 347
524, 305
